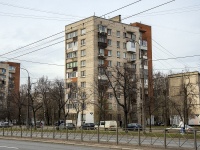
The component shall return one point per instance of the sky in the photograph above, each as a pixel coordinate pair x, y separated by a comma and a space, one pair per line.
175, 32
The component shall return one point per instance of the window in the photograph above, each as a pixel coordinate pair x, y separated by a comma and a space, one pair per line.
83, 63
72, 74
109, 53
83, 53
124, 55
83, 31
11, 68
109, 74
118, 33
73, 44
109, 31
110, 95
71, 34
83, 73
118, 64
110, 63
102, 28
83, 84
109, 42
101, 52
72, 55
109, 105
101, 61
71, 64
118, 95
118, 54
83, 95
118, 44
124, 35
124, 45
101, 71
82, 42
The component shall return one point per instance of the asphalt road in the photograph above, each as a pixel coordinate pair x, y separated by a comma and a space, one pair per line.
27, 145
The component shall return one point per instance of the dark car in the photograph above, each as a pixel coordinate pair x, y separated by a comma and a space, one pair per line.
88, 126
70, 126
134, 126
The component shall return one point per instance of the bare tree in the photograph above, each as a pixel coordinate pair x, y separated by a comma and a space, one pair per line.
57, 95
101, 95
43, 86
184, 99
123, 83
18, 102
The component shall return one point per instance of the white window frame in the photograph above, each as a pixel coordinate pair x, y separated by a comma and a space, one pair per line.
118, 44
110, 63
83, 31
109, 53
109, 31
124, 55
109, 43
83, 73
118, 54
83, 63
118, 33
83, 42
83, 53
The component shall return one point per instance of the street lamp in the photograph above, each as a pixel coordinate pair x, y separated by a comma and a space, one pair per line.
28, 115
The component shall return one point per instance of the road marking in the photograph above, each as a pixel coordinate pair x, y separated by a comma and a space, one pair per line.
9, 147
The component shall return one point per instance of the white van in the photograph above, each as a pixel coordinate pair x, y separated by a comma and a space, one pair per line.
107, 125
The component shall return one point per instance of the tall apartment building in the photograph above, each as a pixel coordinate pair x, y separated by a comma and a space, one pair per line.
9, 80
95, 42
184, 90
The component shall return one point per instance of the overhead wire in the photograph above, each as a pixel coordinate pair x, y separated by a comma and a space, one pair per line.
110, 23
74, 27
92, 30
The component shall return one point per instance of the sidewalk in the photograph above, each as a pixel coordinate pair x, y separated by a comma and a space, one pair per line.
91, 144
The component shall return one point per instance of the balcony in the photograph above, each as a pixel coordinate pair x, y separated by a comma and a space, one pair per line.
131, 59
102, 56
145, 67
143, 44
102, 77
102, 34
144, 57
102, 45
130, 46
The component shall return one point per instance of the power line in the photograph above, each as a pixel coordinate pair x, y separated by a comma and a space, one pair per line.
94, 29
35, 17
170, 53
110, 23
39, 10
74, 27
31, 43
37, 49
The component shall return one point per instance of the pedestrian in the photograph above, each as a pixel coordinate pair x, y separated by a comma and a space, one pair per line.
181, 124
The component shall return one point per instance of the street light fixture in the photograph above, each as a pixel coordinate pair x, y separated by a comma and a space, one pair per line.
28, 115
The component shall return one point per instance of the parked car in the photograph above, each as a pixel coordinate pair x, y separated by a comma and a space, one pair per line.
134, 126
70, 126
5, 124
175, 128
88, 126
107, 125
39, 124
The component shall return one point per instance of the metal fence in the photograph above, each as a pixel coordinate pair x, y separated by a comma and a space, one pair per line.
157, 137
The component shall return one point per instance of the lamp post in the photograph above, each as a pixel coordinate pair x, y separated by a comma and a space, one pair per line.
141, 115
28, 115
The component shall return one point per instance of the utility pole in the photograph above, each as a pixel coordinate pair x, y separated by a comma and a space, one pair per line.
143, 96
28, 110
28, 100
